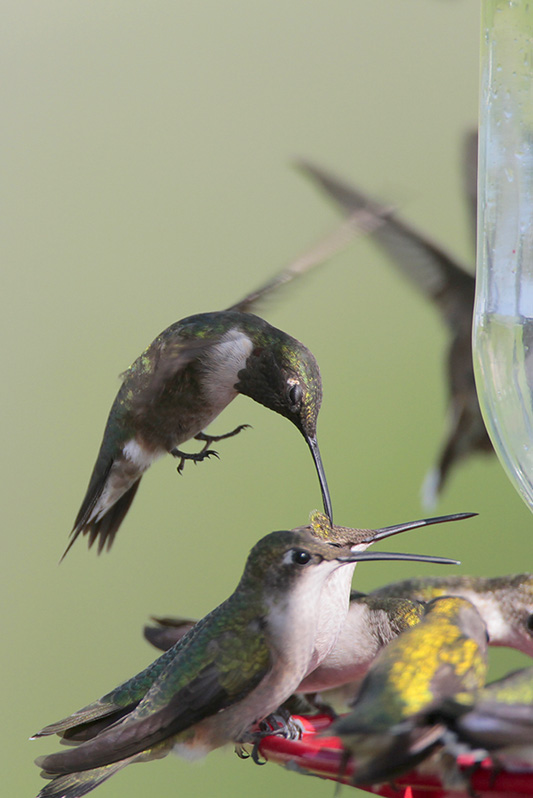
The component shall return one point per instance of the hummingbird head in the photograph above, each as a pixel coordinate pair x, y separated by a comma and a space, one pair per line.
284, 376
506, 604
281, 558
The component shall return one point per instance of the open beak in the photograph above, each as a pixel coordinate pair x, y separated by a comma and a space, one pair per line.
326, 499
387, 531
359, 556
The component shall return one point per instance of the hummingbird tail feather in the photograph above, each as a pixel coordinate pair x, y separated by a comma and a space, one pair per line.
74, 785
88, 722
105, 528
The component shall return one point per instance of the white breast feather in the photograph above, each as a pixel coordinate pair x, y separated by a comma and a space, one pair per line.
225, 361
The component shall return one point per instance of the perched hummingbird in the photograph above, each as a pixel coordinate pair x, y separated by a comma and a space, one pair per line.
496, 722
504, 602
370, 625
236, 666
389, 729
344, 646
451, 286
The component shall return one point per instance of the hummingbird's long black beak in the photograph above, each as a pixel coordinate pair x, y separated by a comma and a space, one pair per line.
387, 531
326, 499
359, 556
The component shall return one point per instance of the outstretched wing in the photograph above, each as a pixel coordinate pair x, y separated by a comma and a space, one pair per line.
433, 271
357, 223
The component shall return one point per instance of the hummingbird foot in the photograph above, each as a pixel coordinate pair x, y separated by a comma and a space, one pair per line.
279, 724
209, 439
196, 457
319, 706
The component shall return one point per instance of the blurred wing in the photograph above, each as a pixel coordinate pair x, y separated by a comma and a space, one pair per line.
357, 223
433, 271
494, 725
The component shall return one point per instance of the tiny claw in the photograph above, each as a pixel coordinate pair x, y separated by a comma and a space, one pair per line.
241, 751
207, 453
255, 755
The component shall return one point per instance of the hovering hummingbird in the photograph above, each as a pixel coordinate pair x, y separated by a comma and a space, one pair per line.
504, 602
188, 375
389, 729
447, 283
496, 722
340, 652
236, 666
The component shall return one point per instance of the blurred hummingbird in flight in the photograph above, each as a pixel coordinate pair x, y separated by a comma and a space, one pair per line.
450, 286
188, 375
234, 668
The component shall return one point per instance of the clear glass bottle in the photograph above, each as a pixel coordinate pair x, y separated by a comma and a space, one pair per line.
503, 316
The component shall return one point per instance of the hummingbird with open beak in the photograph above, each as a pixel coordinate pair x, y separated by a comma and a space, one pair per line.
390, 729
504, 602
345, 645
234, 668
450, 285
189, 374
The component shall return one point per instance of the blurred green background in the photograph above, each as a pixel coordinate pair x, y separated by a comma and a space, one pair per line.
146, 176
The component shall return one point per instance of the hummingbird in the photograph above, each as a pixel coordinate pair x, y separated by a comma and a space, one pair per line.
371, 623
450, 285
496, 722
232, 669
390, 728
189, 374
344, 645
504, 602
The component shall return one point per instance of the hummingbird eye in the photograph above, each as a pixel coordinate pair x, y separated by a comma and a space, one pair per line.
295, 396
300, 557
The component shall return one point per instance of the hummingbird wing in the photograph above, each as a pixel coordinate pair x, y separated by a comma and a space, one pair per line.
167, 632
358, 222
92, 719
432, 270
449, 285
208, 674
493, 725
151, 382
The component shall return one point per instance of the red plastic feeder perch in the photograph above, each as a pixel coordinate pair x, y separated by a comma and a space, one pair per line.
322, 756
